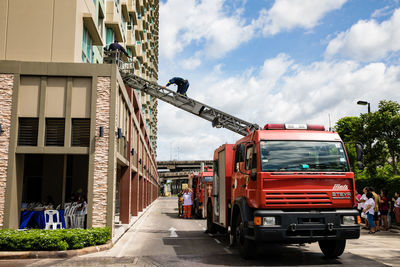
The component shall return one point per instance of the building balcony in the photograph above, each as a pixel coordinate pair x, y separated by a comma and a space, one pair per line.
113, 20
90, 25
124, 9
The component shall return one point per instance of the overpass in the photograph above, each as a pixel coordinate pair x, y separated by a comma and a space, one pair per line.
183, 165
178, 171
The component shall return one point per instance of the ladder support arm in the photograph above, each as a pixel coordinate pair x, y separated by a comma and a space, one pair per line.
216, 117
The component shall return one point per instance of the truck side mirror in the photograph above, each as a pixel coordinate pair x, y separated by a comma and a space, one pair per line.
359, 151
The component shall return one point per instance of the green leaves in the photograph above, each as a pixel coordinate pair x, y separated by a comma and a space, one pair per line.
379, 132
35, 239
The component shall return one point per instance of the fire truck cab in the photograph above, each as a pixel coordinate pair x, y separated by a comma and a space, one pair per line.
284, 184
202, 189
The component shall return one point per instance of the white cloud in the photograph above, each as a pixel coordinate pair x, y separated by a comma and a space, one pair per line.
208, 24
286, 15
382, 12
367, 40
204, 22
191, 63
281, 90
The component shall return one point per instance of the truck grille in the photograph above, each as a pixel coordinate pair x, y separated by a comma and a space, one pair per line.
293, 199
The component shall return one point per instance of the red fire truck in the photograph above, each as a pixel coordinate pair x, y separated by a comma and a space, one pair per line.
202, 190
284, 184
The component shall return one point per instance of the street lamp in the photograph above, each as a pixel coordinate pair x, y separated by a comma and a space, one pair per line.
363, 103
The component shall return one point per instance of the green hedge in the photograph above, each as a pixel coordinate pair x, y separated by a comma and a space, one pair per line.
17, 240
390, 184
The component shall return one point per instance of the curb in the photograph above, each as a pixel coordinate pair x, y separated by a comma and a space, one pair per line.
7, 255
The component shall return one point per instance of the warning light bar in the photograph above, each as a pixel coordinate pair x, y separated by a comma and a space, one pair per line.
282, 126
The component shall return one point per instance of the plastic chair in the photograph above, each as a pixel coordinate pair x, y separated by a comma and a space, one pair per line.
80, 218
67, 207
49, 219
71, 217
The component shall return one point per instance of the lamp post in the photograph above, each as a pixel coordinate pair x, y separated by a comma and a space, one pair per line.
363, 103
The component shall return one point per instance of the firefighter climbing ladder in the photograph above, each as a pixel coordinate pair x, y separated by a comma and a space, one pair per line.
216, 117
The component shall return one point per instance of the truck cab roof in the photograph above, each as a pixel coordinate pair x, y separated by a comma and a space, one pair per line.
291, 135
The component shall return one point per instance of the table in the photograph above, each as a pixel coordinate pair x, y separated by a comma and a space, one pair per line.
38, 218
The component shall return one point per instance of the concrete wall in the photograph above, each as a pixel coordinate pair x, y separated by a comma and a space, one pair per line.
101, 157
6, 90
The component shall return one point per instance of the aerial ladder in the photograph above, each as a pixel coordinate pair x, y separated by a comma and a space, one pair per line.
219, 119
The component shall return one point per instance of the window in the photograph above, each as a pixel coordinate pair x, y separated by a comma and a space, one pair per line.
130, 22
80, 132
249, 156
100, 23
109, 36
28, 131
55, 131
87, 47
310, 156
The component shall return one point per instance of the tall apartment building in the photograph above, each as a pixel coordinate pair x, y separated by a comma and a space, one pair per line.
69, 126
79, 30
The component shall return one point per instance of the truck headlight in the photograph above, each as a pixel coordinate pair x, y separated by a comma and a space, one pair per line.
348, 220
268, 221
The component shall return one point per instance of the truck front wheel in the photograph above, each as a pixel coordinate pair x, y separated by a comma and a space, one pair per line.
245, 245
332, 248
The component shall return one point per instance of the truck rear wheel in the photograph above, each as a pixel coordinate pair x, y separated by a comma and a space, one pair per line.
332, 248
211, 227
246, 246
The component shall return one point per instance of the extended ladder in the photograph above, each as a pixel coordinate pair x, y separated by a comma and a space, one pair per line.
216, 117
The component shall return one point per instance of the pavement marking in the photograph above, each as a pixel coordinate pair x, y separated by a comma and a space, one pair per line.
173, 233
228, 250
216, 240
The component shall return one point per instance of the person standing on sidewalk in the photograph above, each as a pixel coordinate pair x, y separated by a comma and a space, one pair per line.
384, 209
376, 208
396, 209
369, 209
362, 200
187, 203
180, 204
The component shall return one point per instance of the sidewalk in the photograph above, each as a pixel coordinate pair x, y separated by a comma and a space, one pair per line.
119, 231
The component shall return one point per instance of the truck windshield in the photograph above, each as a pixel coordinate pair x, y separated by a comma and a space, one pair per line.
207, 178
310, 156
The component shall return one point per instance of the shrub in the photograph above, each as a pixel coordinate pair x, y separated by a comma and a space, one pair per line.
35, 239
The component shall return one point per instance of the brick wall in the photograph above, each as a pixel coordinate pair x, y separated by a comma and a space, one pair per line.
6, 90
101, 158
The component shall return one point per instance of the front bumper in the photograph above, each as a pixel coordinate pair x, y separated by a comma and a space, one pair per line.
304, 227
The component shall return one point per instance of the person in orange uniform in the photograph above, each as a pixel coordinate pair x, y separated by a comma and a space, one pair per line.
187, 203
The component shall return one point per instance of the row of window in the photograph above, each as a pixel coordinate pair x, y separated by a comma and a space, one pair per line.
55, 132
87, 47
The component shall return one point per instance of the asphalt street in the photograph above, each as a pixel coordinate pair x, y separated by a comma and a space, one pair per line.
160, 238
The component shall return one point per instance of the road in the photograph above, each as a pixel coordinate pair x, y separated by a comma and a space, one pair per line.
159, 238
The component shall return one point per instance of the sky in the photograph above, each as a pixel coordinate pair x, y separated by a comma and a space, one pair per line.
273, 61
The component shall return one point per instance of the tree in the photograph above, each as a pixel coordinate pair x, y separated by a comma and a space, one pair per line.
379, 132
351, 131
384, 127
